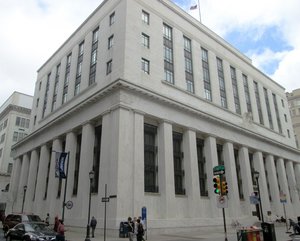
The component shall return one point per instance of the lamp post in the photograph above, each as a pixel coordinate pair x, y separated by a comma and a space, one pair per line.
91, 176
24, 188
256, 176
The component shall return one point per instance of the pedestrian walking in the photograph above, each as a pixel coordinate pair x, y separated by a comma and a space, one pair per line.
47, 219
144, 227
93, 226
60, 231
130, 229
140, 230
56, 223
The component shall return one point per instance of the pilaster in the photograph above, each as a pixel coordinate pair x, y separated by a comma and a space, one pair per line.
292, 187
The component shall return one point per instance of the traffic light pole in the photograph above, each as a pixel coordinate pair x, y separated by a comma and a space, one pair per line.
223, 209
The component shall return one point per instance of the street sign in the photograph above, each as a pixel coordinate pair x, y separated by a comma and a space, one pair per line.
105, 199
219, 170
222, 202
69, 204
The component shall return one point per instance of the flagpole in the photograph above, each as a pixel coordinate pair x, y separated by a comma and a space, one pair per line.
199, 11
65, 191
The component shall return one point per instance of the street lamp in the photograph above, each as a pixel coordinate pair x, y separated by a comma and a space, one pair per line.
24, 188
256, 176
91, 176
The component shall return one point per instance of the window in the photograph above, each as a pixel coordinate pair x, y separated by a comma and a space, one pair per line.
81, 48
178, 164
2, 138
288, 133
15, 136
5, 124
9, 168
202, 168
145, 17
247, 94
40, 85
285, 117
145, 66
277, 113
221, 83
268, 109
189, 78
145, 40
206, 76
93, 64
150, 158
18, 121
37, 102
112, 19
54, 98
110, 41
46, 95
34, 120
108, 67
168, 54
67, 78
260, 114
79, 69
282, 102
235, 90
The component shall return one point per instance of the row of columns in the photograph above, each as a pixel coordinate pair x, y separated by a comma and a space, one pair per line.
121, 154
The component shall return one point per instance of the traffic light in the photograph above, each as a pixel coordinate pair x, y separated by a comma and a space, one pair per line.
224, 188
217, 185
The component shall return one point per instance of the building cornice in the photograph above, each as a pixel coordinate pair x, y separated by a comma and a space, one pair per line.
16, 108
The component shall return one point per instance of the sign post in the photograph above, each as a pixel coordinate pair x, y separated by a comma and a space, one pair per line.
284, 201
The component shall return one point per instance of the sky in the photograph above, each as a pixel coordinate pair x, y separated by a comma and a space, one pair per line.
267, 31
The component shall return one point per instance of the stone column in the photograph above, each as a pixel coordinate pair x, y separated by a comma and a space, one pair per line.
211, 157
273, 182
247, 181
85, 166
297, 176
231, 179
14, 183
52, 196
293, 187
191, 173
283, 183
259, 166
41, 180
166, 167
23, 181
33, 170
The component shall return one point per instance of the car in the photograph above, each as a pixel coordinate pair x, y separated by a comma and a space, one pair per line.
13, 219
31, 231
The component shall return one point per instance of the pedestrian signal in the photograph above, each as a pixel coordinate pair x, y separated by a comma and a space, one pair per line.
224, 188
217, 185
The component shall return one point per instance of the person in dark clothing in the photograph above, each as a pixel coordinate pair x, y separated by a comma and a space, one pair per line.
93, 226
60, 231
56, 223
140, 230
130, 229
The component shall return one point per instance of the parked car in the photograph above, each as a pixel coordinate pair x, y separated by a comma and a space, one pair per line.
12, 220
31, 231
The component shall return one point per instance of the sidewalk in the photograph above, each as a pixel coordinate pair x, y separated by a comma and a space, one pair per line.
204, 235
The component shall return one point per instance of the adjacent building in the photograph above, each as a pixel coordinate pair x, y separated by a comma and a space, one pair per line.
152, 100
14, 126
294, 105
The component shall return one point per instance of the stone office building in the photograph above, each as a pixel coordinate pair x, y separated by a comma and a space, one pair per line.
152, 100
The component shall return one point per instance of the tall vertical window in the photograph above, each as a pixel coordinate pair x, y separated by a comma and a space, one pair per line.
178, 163
108, 67
145, 66
79, 68
54, 98
220, 154
202, 168
112, 19
93, 63
247, 93
46, 95
238, 173
235, 91
96, 160
221, 83
77, 163
206, 76
268, 109
168, 54
67, 79
145, 17
110, 41
257, 97
150, 158
188, 64
277, 113
145, 40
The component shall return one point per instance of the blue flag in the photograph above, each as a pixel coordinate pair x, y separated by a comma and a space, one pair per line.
60, 160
